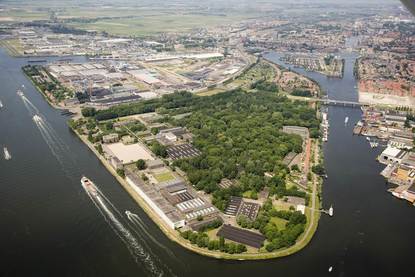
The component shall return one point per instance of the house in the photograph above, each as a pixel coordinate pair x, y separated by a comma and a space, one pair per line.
401, 143
393, 117
170, 137
297, 130
127, 139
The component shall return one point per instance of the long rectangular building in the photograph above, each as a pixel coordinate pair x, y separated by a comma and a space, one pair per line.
156, 201
242, 236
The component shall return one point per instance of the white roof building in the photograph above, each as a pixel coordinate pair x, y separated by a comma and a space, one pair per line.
392, 155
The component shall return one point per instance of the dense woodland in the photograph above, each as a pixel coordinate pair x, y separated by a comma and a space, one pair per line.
238, 133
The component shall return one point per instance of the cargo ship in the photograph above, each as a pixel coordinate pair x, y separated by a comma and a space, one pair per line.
89, 186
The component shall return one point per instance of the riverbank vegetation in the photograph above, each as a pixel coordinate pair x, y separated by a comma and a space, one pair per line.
202, 240
47, 84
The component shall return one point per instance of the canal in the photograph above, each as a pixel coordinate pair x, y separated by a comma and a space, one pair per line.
49, 226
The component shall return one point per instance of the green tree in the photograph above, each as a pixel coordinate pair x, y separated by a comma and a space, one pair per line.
318, 169
141, 164
88, 111
121, 172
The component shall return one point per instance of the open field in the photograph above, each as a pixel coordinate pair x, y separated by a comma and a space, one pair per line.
258, 72
144, 25
126, 20
164, 177
13, 46
279, 222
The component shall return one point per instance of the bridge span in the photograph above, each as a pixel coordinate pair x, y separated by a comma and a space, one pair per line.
330, 102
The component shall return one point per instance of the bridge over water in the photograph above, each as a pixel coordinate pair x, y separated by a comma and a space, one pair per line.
341, 103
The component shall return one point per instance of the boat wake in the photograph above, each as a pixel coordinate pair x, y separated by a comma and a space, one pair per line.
113, 218
138, 223
56, 145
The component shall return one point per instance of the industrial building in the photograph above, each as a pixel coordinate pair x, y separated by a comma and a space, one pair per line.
239, 235
127, 153
156, 201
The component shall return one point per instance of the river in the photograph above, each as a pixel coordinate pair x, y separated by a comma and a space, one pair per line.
49, 226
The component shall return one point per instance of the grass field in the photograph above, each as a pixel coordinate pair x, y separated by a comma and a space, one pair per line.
257, 72
124, 20
164, 177
144, 25
279, 222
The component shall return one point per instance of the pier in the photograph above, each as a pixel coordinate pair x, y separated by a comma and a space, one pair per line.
329, 212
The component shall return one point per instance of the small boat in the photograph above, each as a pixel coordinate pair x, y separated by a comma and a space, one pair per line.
89, 186
1, 104
20, 93
331, 211
7, 155
346, 120
37, 119
330, 269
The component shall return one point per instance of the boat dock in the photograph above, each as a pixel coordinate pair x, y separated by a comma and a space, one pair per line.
325, 126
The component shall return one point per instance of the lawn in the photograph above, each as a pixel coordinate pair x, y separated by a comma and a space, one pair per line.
164, 177
279, 222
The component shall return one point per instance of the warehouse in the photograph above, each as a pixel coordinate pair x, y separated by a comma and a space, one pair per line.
127, 153
241, 236
156, 201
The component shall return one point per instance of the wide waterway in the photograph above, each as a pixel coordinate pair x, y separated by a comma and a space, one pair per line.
49, 226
